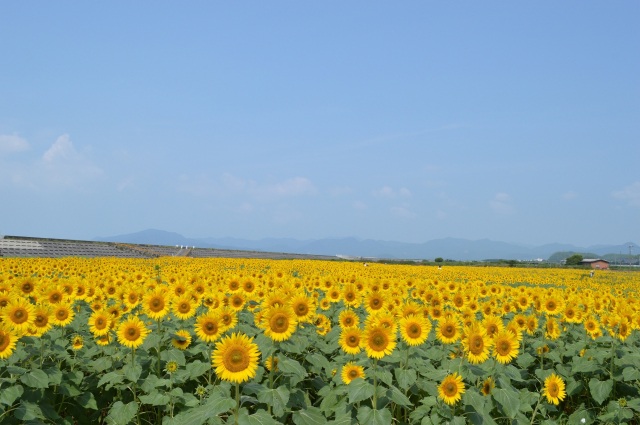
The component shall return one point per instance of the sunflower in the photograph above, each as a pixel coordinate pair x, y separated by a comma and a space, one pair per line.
553, 305
132, 332
184, 307
348, 319
350, 340
591, 326
7, 342
554, 389
99, 323
493, 325
379, 341
451, 389
77, 342
476, 343
414, 329
552, 329
18, 314
42, 319
532, 324
235, 358
374, 302
181, 339
350, 296
63, 314
236, 301
487, 386
505, 346
208, 327
228, 318
280, 323
103, 340
623, 329
448, 330
271, 363
351, 371
303, 307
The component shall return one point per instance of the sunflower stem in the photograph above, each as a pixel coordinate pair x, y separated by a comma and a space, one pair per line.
375, 384
237, 411
613, 355
159, 347
533, 415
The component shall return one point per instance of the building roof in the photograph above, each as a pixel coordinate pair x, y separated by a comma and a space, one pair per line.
593, 260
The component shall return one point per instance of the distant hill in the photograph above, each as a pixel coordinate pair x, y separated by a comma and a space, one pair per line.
448, 248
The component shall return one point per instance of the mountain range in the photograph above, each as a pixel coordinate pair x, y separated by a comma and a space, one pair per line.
447, 248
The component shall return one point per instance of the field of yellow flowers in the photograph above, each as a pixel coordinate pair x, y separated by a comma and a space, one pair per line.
215, 341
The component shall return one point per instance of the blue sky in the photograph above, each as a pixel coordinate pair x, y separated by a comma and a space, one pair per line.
410, 121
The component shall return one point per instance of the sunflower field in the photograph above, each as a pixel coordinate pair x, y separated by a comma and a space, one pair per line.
238, 341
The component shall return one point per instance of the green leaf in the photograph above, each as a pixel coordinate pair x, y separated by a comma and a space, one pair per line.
508, 399
341, 419
600, 390
35, 379
318, 360
405, 378
293, 369
155, 399
276, 398
173, 355
132, 372
88, 401
359, 390
197, 368
309, 416
122, 414
54, 374
110, 379
398, 397
152, 382
474, 399
28, 411
261, 417
369, 416
631, 374
101, 364
9, 395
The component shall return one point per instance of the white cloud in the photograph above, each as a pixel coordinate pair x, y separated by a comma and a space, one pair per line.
403, 212
288, 188
59, 167
501, 204
631, 194
570, 195
390, 193
359, 205
12, 144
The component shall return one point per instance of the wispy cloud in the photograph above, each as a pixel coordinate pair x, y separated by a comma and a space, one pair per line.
231, 186
570, 195
630, 194
391, 193
501, 204
61, 166
11, 143
403, 212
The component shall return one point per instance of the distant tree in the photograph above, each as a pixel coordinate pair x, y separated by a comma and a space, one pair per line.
574, 260
439, 260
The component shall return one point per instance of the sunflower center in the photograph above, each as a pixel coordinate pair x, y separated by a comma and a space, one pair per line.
353, 374
477, 344
100, 323
302, 309
551, 305
450, 389
132, 333
414, 330
41, 320
236, 360
237, 301
19, 316
156, 304
378, 341
448, 330
553, 389
184, 307
503, 347
4, 341
210, 328
353, 341
279, 323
